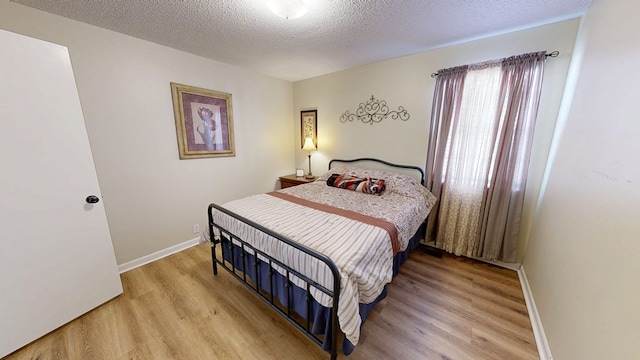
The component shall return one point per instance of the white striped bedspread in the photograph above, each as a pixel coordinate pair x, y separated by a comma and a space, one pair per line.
362, 252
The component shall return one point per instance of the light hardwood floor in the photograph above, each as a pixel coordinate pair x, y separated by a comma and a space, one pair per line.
174, 308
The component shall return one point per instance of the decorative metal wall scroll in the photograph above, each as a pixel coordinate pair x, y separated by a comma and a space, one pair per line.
374, 111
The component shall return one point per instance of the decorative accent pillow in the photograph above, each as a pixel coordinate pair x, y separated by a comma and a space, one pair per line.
395, 182
366, 185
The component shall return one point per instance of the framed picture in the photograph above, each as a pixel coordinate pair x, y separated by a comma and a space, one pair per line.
204, 122
309, 126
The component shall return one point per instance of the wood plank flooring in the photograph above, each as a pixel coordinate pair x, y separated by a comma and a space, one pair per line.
174, 308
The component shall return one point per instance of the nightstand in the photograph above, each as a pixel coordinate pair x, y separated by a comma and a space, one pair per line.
293, 180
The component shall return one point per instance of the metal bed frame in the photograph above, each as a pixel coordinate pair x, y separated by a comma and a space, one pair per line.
245, 248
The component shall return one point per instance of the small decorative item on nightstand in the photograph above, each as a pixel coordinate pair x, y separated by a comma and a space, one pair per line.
293, 180
299, 172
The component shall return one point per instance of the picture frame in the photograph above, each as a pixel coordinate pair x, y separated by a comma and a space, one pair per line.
204, 122
309, 126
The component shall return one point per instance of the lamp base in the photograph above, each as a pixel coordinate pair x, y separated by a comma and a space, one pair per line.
309, 174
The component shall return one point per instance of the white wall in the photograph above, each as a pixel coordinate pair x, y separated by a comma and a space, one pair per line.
152, 198
583, 259
406, 82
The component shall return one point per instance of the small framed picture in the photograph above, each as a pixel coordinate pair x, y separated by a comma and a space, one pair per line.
299, 172
204, 122
309, 126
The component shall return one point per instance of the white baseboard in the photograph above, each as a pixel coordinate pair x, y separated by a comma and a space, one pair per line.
130, 265
510, 266
538, 331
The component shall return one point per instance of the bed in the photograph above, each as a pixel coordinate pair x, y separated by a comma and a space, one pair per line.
321, 254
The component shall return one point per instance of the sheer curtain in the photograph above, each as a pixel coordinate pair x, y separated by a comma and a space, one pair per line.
482, 125
444, 114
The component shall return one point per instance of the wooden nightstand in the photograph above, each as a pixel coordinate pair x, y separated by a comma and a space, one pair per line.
293, 180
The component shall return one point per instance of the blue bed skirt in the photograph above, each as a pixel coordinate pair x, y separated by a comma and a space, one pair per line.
319, 315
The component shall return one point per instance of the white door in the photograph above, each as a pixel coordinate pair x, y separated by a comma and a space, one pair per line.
56, 255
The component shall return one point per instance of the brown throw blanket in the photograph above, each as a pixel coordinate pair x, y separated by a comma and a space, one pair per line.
390, 228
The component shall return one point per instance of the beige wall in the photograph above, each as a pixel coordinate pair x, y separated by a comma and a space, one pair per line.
152, 198
406, 82
583, 259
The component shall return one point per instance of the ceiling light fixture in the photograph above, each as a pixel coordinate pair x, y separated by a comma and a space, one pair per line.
288, 9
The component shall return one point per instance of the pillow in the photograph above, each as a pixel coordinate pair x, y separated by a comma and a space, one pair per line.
365, 185
395, 182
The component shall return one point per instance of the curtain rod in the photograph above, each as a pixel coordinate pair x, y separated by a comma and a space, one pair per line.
551, 54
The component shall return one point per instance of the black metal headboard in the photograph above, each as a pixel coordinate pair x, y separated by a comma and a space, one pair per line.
409, 167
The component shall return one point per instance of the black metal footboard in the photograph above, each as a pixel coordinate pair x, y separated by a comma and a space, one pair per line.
251, 259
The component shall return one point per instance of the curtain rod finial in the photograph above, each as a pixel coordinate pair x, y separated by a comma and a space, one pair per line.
553, 54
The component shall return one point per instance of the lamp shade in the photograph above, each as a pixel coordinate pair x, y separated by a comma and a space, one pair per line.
288, 9
308, 144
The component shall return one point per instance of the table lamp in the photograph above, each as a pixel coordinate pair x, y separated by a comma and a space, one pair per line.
309, 146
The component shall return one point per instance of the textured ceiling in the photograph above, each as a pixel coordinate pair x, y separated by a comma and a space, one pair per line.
334, 34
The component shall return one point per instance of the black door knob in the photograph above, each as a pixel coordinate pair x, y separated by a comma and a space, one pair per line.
92, 199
